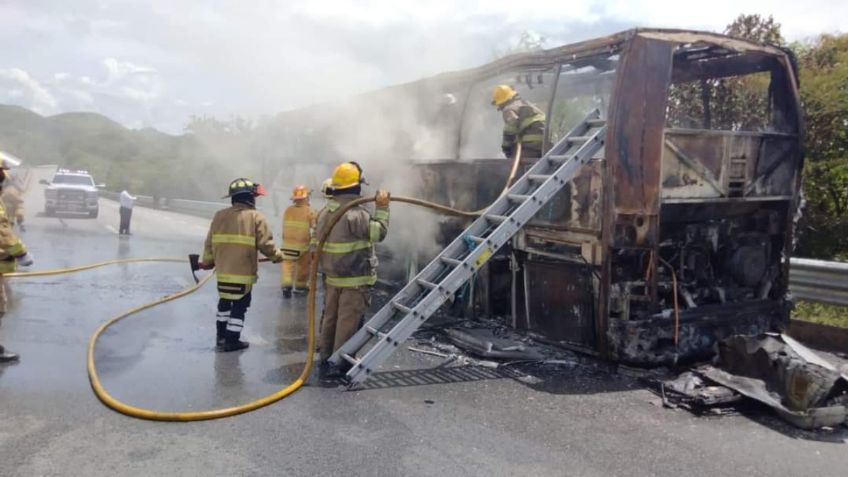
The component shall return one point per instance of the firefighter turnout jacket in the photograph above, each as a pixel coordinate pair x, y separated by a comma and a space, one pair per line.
523, 123
348, 259
235, 235
298, 229
11, 246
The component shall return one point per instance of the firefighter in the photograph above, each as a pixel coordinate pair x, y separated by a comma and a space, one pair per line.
236, 233
13, 252
298, 230
14, 202
348, 261
524, 123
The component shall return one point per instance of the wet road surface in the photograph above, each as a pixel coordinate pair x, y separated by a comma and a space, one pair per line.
572, 423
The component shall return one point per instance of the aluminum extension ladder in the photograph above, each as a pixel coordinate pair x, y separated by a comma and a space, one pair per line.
441, 278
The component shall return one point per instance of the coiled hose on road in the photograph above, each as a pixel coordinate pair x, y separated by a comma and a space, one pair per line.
186, 416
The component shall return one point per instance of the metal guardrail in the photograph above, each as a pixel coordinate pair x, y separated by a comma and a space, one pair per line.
191, 207
819, 280
143, 200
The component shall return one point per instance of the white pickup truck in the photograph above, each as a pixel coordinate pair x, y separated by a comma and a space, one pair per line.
71, 191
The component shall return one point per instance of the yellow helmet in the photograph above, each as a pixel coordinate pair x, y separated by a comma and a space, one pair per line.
502, 93
346, 175
300, 192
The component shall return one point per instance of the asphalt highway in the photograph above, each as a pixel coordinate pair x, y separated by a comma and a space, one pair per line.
578, 420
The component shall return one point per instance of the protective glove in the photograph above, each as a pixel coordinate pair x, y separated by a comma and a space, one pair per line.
24, 260
278, 257
205, 266
382, 199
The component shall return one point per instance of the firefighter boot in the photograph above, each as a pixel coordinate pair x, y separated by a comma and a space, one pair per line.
232, 343
287, 292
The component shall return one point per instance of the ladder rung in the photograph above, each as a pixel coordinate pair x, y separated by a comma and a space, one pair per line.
451, 261
517, 197
559, 158
596, 122
402, 308
538, 177
374, 331
350, 359
476, 238
575, 139
426, 284
498, 219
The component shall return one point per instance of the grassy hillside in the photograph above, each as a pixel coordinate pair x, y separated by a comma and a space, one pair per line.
145, 161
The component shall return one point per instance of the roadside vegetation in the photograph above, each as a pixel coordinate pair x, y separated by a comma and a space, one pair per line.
832, 315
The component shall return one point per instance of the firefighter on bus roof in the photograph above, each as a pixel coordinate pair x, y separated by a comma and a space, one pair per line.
524, 123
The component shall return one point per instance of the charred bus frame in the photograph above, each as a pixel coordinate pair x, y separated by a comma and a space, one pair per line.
678, 233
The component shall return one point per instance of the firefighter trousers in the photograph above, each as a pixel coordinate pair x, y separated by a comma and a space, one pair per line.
295, 273
237, 310
344, 308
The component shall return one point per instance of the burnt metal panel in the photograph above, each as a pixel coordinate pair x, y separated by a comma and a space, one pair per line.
651, 342
578, 204
723, 67
469, 185
774, 172
635, 141
706, 164
561, 301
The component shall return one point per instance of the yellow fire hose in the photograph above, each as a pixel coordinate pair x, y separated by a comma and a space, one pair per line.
64, 271
186, 416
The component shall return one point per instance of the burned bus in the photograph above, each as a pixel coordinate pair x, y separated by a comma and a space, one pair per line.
676, 234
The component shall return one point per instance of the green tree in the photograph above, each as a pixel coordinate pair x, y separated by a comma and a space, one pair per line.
824, 92
756, 28
732, 103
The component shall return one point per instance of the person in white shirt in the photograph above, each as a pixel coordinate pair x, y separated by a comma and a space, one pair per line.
126, 212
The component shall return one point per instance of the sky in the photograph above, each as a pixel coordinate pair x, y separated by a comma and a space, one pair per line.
154, 63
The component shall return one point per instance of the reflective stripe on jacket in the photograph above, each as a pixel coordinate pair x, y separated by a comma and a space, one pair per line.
524, 123
10, 245
349, 259
298, 229
235, 235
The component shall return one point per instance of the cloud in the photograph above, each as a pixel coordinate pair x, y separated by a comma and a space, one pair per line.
18, 87
159, 61
123, 90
